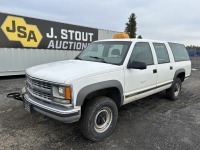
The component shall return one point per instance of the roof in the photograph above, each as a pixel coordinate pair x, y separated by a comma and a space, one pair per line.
133, 40
139, 40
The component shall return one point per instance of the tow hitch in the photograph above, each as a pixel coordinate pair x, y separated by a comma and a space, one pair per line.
20, 97
16, 96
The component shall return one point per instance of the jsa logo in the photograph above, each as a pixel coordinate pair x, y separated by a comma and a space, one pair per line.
16, 29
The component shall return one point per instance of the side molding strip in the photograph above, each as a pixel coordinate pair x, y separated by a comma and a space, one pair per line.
144, 91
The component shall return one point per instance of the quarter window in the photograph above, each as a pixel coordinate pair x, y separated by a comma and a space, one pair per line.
142, 53
179, 51
161, 53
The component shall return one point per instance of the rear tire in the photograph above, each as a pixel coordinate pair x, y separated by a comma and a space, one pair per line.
173, 93
99, 118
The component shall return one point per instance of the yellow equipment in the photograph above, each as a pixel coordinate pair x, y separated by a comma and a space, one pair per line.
121, 36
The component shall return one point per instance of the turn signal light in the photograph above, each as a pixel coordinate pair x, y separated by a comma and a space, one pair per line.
68, 93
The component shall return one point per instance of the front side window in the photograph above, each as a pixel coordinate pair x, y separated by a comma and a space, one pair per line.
179, 51
113, 52
142, 53
161, 53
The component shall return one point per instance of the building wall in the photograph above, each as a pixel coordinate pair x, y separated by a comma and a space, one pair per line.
106, 34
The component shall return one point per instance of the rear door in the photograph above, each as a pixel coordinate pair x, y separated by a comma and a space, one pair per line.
165, 68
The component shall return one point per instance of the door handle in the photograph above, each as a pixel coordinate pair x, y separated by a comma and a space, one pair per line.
154, 70
171, 67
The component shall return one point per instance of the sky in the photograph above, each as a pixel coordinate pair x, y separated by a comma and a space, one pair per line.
171, 20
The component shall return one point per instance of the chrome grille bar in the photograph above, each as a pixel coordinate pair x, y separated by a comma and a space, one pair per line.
39, 89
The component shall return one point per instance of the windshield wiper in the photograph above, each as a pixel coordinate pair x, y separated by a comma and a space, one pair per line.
78, 58
101, 59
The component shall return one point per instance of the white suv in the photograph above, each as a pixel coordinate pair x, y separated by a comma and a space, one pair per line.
103, 77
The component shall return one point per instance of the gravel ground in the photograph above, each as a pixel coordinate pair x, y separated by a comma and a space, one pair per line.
150, 123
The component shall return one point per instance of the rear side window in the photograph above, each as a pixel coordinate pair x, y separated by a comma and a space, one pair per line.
161, 53
179, 51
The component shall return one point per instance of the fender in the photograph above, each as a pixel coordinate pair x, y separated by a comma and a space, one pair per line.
178, 71
176, 74
83, 93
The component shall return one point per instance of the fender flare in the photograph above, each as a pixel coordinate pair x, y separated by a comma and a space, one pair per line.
83, 93
181, 70
178, 71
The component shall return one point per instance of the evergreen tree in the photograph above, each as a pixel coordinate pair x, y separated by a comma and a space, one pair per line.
131, 26
139, 37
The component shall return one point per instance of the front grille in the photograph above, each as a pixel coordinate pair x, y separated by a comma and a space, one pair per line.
39, 89
40, 94
39, 83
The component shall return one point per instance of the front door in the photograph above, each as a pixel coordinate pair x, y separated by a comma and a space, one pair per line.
140, 83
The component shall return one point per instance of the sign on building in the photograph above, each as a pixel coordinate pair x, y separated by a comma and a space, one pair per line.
25, 32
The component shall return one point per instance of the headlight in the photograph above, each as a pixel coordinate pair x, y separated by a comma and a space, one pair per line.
61, 91
65, 92
62, 94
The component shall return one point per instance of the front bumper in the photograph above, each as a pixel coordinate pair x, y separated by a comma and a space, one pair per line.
60, 113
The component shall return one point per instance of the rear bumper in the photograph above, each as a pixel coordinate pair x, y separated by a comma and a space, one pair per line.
60, 113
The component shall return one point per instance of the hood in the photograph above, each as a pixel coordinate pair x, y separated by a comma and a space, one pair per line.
60, 72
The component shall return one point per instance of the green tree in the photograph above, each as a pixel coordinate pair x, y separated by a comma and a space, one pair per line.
131, 26
139, 37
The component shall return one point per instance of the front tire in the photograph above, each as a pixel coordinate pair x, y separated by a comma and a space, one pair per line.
99, 118
173, 93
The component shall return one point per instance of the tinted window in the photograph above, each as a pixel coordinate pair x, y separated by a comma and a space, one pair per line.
113, 52
142, 52
161, 53
179, 51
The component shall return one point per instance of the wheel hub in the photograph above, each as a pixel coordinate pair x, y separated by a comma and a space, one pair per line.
103, 119
177, 89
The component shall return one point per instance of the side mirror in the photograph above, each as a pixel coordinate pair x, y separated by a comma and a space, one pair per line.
137, 65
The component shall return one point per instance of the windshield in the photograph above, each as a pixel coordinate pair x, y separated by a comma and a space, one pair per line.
112, 52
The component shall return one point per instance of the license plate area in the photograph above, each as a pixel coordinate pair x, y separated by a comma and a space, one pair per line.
28, 106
